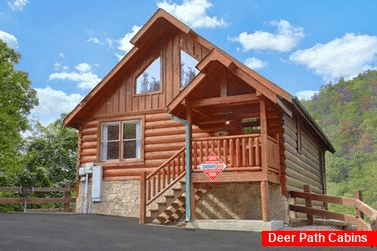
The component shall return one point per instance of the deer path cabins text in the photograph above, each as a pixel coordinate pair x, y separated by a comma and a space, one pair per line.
176, 91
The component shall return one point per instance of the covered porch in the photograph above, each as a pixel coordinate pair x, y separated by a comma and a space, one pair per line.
246, 137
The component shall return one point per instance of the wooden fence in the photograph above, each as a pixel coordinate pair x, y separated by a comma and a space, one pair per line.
360, 207
66, 200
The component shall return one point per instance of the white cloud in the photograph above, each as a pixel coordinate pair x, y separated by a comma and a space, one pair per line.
193, 13
255, 63
284, 39
84, 78
17, 5
52, 103
306, 95
124, 43
341, 57
9, 39
93, 40
84, 67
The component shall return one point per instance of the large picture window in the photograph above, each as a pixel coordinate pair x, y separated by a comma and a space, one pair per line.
188, 70
149, 80
121, 140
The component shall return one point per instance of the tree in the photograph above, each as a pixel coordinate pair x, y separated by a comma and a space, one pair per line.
17, 98
50, 155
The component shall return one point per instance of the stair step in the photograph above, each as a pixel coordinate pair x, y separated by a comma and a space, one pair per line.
178, 189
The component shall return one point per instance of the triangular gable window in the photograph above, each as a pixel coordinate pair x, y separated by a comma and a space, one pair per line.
149, 80
188, 70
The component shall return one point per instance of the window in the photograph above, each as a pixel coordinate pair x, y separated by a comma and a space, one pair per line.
131, 140
149, 80
110, 141
250, 126
299, 136
188, 70
122, 144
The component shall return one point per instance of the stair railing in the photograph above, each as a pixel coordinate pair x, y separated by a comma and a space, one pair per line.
160, 180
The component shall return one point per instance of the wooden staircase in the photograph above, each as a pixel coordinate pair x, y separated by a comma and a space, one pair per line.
163, 192
171, 210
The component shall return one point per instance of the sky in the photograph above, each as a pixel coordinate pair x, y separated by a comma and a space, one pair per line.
67, 47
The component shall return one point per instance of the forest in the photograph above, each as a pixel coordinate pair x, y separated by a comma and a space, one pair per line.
347, 112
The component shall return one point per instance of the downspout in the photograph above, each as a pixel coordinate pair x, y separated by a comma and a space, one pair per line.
188, 164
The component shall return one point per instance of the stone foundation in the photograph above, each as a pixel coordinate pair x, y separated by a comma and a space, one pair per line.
224, 201
241, 202
121, 198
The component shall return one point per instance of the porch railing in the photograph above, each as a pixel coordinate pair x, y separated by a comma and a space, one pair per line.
238, 152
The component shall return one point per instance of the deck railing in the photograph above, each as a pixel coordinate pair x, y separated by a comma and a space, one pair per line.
238, 152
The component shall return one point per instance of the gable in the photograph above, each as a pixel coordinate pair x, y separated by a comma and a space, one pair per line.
164, 36
121, 97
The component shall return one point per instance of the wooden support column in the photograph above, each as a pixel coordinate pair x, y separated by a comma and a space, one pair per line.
265, 200
263, 124
264, 183
188, 160
143, 201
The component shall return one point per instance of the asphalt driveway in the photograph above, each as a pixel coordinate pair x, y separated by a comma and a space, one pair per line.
96, 232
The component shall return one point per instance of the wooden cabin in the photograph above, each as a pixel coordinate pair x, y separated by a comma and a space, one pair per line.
174, 99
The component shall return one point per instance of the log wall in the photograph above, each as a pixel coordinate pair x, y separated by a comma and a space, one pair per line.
301, 167
163, 137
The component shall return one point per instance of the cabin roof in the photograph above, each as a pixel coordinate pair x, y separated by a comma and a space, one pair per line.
161, 22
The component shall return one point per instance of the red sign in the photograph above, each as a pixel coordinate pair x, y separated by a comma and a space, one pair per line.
319, 238
213, 166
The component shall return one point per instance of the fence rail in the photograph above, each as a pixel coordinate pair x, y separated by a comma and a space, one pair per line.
360, 207
66, 199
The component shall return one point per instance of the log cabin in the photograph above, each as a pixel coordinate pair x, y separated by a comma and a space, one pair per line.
173, 100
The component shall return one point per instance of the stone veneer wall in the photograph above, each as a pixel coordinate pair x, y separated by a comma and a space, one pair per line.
241, 201
121, 198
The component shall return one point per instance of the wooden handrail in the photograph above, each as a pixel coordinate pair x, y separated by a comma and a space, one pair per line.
356, 203
165, 163
229, 137
164, 177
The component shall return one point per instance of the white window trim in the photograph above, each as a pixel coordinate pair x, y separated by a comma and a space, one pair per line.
104, 143
139, 137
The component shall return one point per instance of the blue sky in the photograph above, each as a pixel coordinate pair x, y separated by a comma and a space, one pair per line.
67, 47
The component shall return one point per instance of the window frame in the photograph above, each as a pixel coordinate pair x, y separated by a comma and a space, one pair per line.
181, 87
122, 140
120, 160
299, 136
102, 141
143, 66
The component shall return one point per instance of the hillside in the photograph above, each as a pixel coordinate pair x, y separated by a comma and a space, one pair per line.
347, 113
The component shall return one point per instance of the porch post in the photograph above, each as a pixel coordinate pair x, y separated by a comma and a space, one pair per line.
188, 160
264, 183
265, 200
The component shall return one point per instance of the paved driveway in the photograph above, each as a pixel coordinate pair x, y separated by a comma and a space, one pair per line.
95, 232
